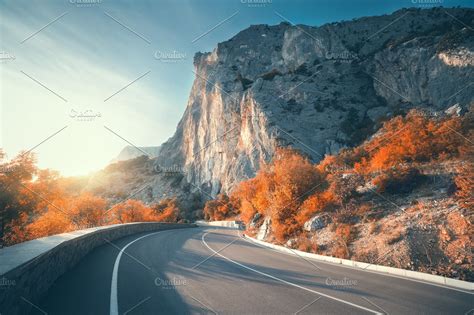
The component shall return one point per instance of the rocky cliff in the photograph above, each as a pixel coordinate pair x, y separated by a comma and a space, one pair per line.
316, 89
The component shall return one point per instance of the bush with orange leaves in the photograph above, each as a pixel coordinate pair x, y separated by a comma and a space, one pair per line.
345, 234
87, 210
50, 223
295, 179
278, 190
59, 215
254, 195
291, 189
67, 214
413, 138
132, 211
317, 202
50, 204
221, 208
167, 210
305, 243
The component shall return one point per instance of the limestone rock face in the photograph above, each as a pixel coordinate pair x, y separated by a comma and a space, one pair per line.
255, 219
265, 229
316, 89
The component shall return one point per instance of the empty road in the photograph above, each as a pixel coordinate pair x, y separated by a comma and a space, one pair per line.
214, 270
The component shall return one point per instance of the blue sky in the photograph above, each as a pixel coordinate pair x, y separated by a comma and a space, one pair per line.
86, 54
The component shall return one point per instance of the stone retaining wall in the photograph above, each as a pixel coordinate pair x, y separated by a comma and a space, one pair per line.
227, 224
28, 270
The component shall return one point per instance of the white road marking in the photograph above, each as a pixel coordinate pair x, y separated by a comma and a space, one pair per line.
287, 282
357, 268
113, 287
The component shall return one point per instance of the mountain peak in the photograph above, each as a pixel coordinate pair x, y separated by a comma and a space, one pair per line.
314, 89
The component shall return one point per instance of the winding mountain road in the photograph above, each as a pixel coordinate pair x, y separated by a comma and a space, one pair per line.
214, 270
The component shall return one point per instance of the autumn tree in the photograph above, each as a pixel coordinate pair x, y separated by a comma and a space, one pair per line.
413, 138
255, 195
166, 210
314, 204
87, 210
50, 223
295, 179
245, 193
132, 211
15, 195
210, 209
344, 236
221, 208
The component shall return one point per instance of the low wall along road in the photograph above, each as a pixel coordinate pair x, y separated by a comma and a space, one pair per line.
27, 270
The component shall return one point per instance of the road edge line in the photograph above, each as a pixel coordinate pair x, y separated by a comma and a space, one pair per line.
287, 282
372, 268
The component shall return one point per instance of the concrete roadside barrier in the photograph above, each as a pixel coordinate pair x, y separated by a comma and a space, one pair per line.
226, 224
29, 269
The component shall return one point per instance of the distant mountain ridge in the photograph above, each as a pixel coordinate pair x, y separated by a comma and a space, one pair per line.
131, 152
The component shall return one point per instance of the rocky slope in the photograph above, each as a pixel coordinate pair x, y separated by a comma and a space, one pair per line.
316, 89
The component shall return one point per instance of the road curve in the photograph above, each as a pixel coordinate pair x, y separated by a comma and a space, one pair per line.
215, 271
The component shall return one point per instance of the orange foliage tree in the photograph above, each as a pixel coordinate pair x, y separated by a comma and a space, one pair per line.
317, 202
36, 203
255, 195
132, 211
87, 210
166, 210
50, 223
221, 208
16, 198
278, 190
413, 138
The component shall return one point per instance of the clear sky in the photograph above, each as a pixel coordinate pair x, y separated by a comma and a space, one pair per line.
63, 62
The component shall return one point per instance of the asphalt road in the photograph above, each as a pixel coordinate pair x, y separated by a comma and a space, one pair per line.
209, 270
